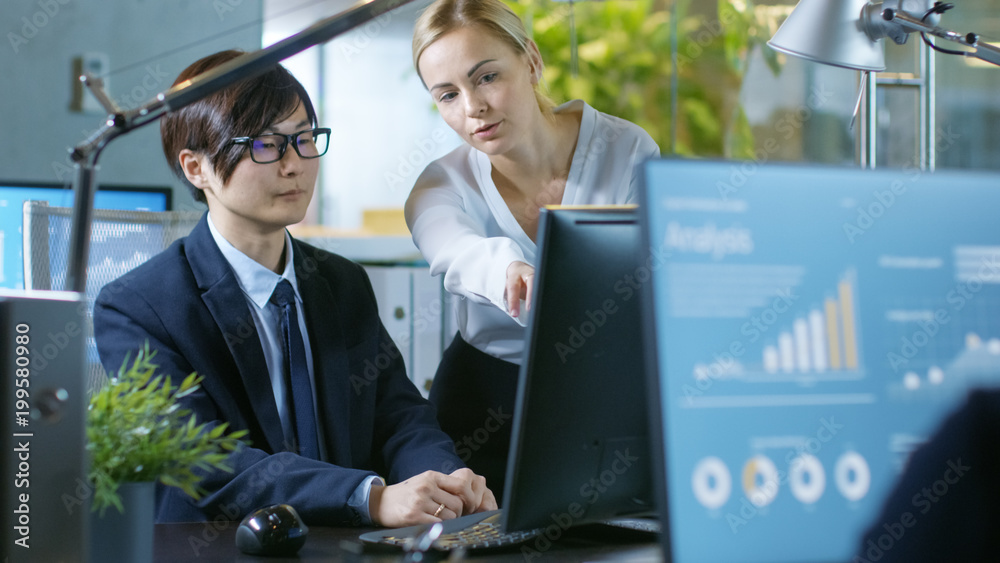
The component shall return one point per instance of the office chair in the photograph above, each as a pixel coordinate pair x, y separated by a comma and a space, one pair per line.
119, 241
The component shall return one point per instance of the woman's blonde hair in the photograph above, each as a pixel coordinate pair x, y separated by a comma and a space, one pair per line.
445, 16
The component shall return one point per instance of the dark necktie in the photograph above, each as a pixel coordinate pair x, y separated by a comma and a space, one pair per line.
296, 371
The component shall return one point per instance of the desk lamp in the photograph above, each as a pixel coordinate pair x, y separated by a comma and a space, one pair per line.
845, 33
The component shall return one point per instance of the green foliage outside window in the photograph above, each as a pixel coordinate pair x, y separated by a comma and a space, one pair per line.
625, 65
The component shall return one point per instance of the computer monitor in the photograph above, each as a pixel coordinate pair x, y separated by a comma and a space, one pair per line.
13, 194
580, 450
809, 327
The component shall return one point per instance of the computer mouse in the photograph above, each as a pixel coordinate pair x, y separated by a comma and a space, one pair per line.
271, 530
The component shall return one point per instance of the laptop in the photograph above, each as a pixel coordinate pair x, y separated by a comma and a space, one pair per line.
808, 328
580, 450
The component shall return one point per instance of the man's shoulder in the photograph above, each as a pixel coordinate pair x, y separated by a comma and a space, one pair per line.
311, 258
342, 275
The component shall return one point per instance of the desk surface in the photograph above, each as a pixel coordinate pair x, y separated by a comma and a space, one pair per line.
207, 542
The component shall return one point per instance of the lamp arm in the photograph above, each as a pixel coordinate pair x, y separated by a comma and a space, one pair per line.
980, 50
985, 51
251, 65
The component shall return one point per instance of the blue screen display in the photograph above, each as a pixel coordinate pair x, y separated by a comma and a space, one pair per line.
813, 326
13, 196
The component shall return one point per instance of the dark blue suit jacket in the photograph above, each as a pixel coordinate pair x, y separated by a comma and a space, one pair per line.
946, 505
186, 302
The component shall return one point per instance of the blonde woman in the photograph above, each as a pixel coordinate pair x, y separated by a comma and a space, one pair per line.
474, 212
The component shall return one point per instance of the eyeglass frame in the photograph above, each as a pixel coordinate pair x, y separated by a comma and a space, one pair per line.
292, 139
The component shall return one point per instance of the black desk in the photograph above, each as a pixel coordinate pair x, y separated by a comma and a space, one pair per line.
207, 542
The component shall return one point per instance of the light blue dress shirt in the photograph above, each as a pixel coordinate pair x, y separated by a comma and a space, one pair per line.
257, 284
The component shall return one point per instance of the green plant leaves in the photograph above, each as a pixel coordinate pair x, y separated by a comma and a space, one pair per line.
137, 431
625, 50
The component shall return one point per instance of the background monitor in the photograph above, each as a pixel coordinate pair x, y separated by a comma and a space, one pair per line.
809, 329
580, 450
13, 194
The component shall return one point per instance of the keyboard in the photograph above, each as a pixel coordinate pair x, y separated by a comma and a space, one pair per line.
473, 531
647, 525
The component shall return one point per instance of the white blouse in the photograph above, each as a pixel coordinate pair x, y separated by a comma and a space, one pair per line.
464, 229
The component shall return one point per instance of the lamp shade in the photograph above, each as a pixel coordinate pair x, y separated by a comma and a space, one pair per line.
830, 32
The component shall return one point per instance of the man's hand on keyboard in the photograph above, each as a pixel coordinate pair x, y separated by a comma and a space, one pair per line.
473, 491
429, 497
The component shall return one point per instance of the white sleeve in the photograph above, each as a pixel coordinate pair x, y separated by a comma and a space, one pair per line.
453, 238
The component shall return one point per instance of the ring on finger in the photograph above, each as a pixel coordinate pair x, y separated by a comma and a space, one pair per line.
439, 509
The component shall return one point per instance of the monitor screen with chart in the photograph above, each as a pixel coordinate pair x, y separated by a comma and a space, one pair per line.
13, 194
812, 326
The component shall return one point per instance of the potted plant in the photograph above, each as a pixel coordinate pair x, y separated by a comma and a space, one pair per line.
137, 434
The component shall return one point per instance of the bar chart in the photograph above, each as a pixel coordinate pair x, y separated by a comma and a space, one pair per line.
823, 339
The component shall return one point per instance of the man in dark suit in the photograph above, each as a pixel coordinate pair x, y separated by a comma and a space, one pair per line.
286, 336
946, 504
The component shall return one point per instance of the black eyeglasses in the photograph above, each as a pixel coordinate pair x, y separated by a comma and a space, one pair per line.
265, 149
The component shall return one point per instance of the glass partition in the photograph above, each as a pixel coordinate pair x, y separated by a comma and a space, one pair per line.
697, 75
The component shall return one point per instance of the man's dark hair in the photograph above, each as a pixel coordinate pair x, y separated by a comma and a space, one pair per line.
243, 109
